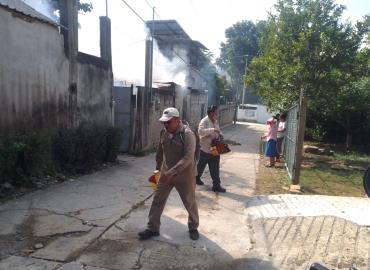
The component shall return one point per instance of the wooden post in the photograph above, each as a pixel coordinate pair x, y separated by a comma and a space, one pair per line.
131, 147
300, 138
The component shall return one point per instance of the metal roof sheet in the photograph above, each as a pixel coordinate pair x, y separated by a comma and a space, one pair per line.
172, 30
22, 7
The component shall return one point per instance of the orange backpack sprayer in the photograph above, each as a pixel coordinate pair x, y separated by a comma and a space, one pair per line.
153, 179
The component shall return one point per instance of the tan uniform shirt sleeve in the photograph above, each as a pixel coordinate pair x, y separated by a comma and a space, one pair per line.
159, 157
188, 158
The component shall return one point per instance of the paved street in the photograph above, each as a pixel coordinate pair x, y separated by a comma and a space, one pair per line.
91, 222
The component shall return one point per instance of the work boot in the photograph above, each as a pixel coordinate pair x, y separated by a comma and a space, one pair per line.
146, 234
194, 234
200, 182
218, 188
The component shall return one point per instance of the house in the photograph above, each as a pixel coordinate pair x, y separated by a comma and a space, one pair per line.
174, 43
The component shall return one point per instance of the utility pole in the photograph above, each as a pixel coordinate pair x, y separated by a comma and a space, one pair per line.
245, 74
149, 58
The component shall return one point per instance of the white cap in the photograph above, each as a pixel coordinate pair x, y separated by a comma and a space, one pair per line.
168, 114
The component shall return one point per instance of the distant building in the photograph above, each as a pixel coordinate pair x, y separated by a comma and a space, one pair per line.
174, 42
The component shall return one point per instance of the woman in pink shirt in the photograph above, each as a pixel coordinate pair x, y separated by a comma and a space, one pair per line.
271, 138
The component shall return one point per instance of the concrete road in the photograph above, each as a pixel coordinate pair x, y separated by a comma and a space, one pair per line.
91, 222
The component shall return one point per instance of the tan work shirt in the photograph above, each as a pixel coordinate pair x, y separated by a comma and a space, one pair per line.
176, 154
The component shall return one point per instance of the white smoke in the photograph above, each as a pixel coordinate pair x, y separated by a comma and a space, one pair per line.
166, 70
44, 7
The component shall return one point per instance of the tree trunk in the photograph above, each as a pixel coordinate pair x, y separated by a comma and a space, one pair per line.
348, 131
348, 140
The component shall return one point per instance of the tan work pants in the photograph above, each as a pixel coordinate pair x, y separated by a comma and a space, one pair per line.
186, 189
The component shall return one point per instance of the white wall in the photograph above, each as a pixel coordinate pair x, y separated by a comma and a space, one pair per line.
258, 115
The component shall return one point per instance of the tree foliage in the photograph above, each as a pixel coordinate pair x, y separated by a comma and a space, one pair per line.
221, 85
307, 46
240, 47
81, 5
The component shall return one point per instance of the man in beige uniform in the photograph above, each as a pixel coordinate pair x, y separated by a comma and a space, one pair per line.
175, 160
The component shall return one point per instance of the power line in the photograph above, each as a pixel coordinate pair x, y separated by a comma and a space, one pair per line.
193, 7
152, 7
134, 11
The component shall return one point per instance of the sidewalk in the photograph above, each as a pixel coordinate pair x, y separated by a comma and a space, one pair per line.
91, 223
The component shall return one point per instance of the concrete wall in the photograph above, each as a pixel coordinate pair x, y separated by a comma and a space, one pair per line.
94, 93
33, 74
190, 103
161, 99
35, 81
225, 114
253, 113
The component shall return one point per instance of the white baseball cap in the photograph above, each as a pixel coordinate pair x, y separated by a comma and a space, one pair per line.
168, 114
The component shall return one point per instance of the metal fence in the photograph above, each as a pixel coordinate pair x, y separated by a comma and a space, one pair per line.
290, 139
293, 142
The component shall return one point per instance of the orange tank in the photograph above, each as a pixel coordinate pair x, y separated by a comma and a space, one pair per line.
153, 179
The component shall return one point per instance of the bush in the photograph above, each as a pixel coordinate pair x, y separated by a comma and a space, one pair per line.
83, 149
113, 143
24, 156
79, 150
316, 133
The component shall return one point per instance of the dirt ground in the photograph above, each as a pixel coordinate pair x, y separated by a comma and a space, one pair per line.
271, 180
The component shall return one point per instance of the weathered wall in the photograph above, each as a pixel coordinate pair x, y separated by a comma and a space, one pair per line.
35, 78
150, 105
190, 103
226, 114
197, 108
33, 73
94, 93
161, 99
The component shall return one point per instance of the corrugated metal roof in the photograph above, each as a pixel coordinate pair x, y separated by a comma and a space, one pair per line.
22, 7
167, 28
171, 29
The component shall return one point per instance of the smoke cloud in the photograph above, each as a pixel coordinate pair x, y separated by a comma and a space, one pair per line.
44, 7
166, 70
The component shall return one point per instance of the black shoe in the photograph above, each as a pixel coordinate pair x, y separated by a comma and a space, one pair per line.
144, 235
218, 189
194, 234
200, 182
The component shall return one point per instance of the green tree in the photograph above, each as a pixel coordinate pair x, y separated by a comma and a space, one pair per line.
349, 108
221, 84
240, 47
306, 46
82, 5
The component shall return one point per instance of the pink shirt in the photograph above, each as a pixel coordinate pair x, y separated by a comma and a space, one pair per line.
272, 132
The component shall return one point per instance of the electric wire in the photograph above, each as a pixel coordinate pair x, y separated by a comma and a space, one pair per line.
152, 7
133, 11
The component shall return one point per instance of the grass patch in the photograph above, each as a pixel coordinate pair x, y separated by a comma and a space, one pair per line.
271, 180
337, 175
